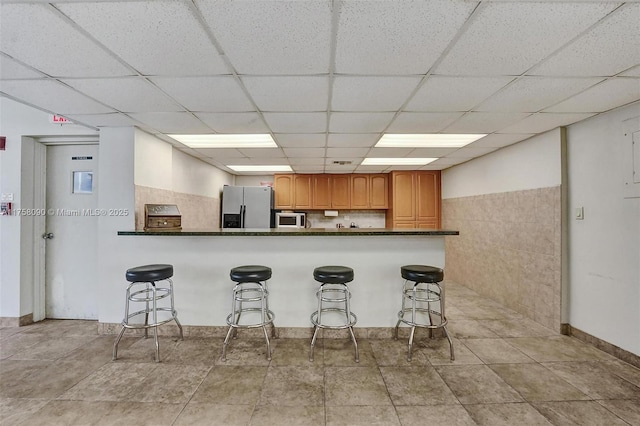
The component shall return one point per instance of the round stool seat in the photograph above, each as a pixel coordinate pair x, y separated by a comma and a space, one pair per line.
333, 274
149, 273
250, 273
422, 273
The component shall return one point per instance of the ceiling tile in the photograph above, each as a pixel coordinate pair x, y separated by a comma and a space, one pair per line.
389, 152
422, 122
212, 94
220, 152
371, 169
301, 122
430, 152
371, 93
499, 140
347, 152
301, 140
441, 93
10, 69
352, 140
465, 152
359, 122
484, 122
532, 94
36, 35
262, 153
307, 169
542, 121
340, 169
307, 161
508, 38
632, 72
334, 161
382, 38
288, 93
448, 161
179, 44
607, 49
602, 97
272, 37
104, 120
233, 122
52, 96
304, 152
171, 122
126, 94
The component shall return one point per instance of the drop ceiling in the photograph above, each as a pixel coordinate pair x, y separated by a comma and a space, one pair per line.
325, 78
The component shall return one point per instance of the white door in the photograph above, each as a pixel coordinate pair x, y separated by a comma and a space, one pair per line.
71, 287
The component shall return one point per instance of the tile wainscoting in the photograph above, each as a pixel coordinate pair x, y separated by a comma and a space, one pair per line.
198, 212
509, 249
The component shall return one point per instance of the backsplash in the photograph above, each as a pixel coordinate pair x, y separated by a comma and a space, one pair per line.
509, 249
362, 218
198, 212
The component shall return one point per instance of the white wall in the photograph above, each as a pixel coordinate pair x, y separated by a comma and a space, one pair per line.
158, 165
18, 120
530, 164
604, 248
252, 180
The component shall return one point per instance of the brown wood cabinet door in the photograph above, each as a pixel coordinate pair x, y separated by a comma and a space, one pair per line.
428, 197
359, 191
427, 225
404, 225
283, 188
379, 191
404, 195
340, 197
302, 191
321, 189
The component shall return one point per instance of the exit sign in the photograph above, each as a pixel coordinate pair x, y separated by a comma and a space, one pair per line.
56, 119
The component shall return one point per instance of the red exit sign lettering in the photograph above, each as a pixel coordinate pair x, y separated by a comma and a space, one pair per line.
56, 119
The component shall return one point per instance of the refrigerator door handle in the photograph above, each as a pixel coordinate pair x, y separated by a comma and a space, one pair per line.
243, 211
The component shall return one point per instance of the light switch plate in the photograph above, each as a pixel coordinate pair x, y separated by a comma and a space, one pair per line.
7, 196
579, 213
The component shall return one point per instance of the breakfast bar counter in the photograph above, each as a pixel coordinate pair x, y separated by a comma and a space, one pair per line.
202, 260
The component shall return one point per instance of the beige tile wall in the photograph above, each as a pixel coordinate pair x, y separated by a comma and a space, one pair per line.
509, 249
197, 212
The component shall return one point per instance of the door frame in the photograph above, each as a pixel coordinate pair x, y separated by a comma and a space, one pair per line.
38, 246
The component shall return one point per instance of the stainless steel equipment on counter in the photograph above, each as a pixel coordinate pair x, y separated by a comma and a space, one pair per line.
247, 207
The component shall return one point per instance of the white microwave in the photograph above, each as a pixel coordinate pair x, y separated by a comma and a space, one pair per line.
291, 220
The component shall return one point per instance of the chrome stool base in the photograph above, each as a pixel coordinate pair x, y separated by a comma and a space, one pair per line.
150, 294
250, 297
348, 318
420, 296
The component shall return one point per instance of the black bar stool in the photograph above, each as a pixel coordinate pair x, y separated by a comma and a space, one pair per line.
143, 288
249, 295
421, 289
333, 297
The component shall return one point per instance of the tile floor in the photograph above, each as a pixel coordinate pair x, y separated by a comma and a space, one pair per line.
508, 371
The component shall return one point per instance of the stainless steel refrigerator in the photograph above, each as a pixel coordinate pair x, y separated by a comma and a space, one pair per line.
247, 207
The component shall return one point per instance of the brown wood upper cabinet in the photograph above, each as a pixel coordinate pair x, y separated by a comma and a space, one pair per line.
331, 191
283, 188
340, 192
369, 191
321, 191
415, 199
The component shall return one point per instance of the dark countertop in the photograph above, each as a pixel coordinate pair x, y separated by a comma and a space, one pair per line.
296, 232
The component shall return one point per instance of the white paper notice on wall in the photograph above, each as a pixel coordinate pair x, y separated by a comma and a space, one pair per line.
631, 129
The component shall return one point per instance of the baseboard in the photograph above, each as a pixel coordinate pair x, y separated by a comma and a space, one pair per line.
607, 347
16, 321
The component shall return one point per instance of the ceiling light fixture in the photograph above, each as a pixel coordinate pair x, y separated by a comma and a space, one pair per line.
226, 141
267, 168
397, 161
427, 140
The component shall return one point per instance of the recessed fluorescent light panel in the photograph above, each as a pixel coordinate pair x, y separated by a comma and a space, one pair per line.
427, 140
226, 141
397, 161
268, 168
